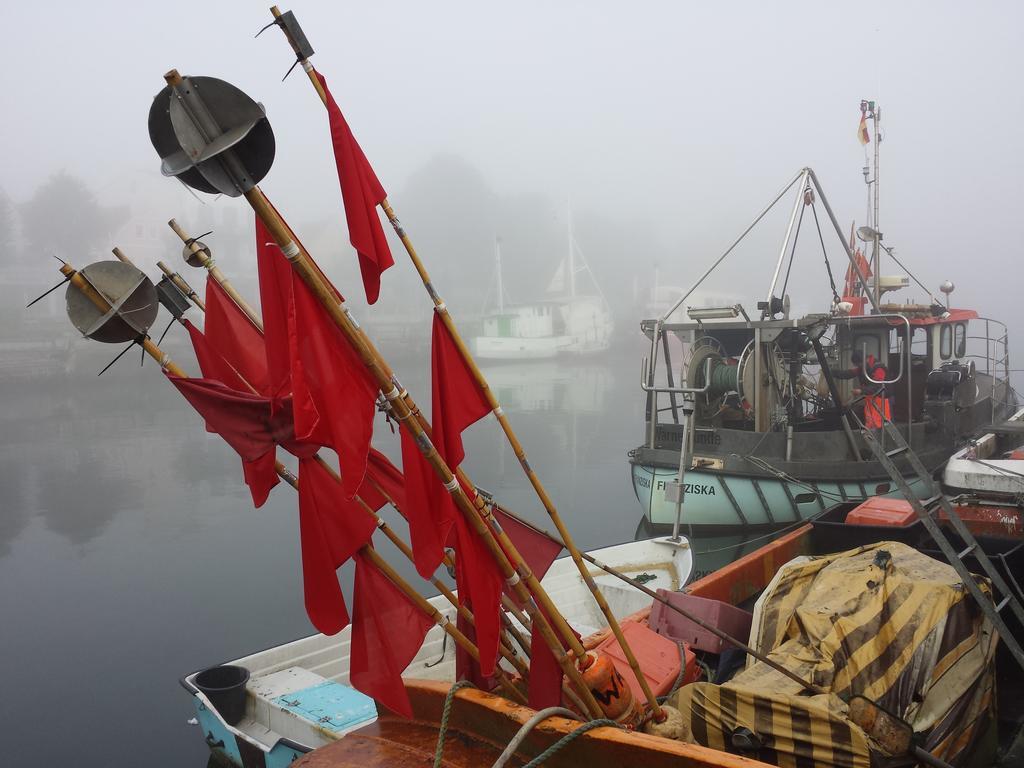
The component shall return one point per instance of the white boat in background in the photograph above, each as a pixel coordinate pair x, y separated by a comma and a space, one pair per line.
571, 323
298, 696
991, 466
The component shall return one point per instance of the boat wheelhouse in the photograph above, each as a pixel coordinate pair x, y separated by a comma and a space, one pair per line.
760, 423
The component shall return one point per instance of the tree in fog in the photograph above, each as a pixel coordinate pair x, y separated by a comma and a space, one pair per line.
450, 212
8, 244
63, 218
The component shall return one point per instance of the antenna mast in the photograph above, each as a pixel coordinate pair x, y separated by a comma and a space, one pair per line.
870, 109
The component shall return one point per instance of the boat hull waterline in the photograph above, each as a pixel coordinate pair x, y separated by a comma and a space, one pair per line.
715, 502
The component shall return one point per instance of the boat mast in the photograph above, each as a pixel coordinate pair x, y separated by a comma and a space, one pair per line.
501, 288
570, 264
876, 116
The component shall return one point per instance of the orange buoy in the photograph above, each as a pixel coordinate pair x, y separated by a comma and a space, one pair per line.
610, 689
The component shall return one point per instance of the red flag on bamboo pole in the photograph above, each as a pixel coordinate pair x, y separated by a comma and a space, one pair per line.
387, 632
276, 275
457, 399
331, 530
545, 687
212, 363
231, 332
245, 422
334, 394
536, 548
457, 402
361, 192
383, 484
428, 508
275, 304
479, 583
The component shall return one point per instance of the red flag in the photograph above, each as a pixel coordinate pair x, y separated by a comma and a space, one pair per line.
457, 400
545, 688
212, 363
361, 193
536, 549
276, 277
387, 632
331, 530
383, 483
479, 584
233, 335
862, 130
334, 394
275, 302
428, 508
246, 424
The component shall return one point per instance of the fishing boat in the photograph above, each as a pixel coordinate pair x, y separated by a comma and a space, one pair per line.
991, 466
298, 698
757, 424
570, 323
948, 681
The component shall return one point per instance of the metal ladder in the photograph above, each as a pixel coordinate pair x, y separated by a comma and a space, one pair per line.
926, 510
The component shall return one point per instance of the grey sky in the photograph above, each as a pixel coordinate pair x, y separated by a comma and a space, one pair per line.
683, 117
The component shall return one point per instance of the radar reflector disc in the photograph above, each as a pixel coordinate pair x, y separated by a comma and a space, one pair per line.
211, 136
132, 298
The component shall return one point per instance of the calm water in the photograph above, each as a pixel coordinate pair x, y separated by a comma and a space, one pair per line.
130, 553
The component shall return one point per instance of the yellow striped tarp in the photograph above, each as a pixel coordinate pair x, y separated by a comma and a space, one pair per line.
882, 621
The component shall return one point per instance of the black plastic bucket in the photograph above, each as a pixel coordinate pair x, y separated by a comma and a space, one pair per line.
224, 686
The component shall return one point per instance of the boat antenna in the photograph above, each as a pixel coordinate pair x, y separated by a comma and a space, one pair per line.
871, 110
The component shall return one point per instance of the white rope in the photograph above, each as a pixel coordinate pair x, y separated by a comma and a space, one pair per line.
290, 249
513, 579
393, 394
452, 485
498, 411
307, 65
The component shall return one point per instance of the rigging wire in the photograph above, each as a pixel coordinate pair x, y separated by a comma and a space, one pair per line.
792, 252
912, 276
824, 252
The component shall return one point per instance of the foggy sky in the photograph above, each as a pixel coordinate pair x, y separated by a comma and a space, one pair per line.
677, 119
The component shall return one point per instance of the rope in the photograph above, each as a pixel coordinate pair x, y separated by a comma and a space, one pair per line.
568, 739
679, 677
443, 730
528, 726
824, 251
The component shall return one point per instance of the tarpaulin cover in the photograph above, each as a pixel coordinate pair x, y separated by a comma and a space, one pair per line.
883, 621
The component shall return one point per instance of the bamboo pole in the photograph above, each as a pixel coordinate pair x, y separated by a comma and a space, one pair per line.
206, 261
441, 308
421, 602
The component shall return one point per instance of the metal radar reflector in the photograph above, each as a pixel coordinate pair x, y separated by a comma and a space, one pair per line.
210, 135
132, 298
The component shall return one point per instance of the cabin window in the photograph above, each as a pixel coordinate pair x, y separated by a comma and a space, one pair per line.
960, 340
919, 343
946, 342
867, 344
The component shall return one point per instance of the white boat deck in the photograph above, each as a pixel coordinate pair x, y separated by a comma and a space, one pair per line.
975, 469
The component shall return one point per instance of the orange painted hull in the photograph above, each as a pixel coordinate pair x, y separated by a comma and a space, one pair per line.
480, 726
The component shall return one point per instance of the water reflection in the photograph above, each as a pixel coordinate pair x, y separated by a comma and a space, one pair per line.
80, 499
14, 514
